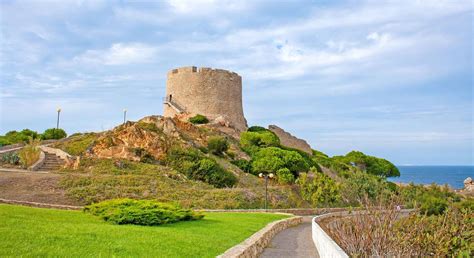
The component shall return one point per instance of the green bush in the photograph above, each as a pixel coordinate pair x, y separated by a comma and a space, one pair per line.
433, 206
414, 196
199, 119
360, 186
198, 167
13, 137
257, 129
272, 159
251, 142
371, 164
217, 145
11, 158
284, 176
140, 212
319, 190
243, 164
53, 134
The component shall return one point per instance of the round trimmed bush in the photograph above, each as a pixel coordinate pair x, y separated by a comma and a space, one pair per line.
140, 212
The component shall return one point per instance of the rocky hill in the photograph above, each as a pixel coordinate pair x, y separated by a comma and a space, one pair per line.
152, 158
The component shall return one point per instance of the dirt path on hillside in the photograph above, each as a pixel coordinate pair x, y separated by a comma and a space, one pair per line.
33, 187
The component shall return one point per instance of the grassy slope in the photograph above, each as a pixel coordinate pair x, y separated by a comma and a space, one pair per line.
43, 232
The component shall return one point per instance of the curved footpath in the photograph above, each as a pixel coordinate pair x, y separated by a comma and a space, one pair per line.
293, 242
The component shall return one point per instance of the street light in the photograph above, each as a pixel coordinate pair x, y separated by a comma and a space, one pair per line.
266, 176
124, 115
57, 122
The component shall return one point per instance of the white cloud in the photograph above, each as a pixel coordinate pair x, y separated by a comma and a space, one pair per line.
205, 6
119, 54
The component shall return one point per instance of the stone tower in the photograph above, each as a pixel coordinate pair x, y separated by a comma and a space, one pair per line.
214, 93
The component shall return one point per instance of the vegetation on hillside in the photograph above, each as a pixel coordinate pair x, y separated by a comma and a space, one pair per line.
77, 144
30, 153
199, 167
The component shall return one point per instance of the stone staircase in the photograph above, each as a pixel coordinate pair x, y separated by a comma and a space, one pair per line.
51, 162
172, 103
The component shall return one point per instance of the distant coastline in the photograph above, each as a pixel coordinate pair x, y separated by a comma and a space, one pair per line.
418, 174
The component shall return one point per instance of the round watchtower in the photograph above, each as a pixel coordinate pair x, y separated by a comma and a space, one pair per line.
211, 92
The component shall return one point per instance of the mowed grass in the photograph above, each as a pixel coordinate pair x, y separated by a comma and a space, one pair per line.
26, 231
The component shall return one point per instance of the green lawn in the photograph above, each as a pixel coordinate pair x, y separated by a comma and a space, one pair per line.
26, 231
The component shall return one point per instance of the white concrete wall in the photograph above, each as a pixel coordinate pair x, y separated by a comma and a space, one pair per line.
324, 244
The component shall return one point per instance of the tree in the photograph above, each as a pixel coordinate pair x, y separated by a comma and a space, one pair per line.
53, 134
319, 190
272, 159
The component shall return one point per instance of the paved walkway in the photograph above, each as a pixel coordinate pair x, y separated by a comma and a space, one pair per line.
293, 242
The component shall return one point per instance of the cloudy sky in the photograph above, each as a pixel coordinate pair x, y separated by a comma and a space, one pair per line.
392, 79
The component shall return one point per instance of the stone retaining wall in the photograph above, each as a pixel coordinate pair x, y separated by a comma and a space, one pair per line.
41, 205
39, 162
254, 245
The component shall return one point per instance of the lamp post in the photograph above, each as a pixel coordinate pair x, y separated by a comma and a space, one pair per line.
266, 176
124, 115
57, 122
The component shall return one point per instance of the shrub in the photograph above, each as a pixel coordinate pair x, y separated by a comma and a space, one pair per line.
4, 141
217, 145
13, 137
199, 119
30, 153
53, 134
320, 190
284, 176
140, 212
195, 166
359, 186
251, 142
272, 159
433, 206
430, 197
148, 127
257, 129
371, 164
11, 158
446, 235
243, 164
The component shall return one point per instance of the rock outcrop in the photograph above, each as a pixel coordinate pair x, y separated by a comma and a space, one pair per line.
288, 140
469, 185
154, 136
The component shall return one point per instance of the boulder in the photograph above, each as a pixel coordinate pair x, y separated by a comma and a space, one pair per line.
288, 140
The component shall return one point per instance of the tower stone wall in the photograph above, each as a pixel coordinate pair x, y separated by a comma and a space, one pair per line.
215, 93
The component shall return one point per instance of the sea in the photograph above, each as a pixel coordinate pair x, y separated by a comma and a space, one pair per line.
451, 175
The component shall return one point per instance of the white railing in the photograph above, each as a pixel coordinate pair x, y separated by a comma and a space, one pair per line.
326, 246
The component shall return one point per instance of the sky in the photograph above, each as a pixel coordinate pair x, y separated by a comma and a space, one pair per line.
393, 79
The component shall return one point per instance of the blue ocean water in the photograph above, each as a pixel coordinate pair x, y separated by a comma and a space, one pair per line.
451, 175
